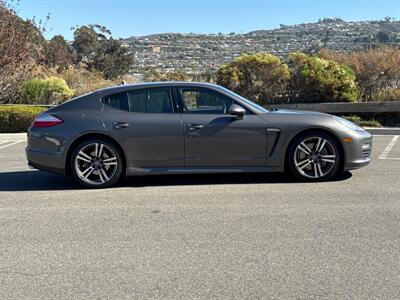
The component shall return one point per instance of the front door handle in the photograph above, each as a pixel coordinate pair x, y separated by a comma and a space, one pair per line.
119, 125
195, 126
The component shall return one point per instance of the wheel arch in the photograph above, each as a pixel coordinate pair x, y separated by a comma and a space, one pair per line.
320, 130
87, 136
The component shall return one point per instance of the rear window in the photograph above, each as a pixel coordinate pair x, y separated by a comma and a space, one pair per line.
119, 101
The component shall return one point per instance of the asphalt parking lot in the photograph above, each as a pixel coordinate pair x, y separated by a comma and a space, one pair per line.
220, 236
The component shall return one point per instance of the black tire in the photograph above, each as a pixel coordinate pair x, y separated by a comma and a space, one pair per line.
318, 165
102, 163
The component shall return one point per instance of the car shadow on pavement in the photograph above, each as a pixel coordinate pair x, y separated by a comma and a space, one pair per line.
41, 181
35, 181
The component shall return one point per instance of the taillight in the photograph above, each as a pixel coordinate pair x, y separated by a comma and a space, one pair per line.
46, 120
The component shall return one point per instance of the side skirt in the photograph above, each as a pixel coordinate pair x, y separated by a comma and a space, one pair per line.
200, 170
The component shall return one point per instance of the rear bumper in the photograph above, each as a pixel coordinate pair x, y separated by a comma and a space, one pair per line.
49, 162
46, 150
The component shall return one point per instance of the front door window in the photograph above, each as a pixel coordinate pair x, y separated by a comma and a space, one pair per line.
199, 101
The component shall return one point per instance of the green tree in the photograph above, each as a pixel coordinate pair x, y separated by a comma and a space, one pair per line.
316, 79
112, 59
59, 53
86, 42
96, 47
260, 76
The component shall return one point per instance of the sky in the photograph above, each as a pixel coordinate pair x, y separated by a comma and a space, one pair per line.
127, 18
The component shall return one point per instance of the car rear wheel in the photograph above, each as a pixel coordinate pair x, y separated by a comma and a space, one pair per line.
96, 163
314, 156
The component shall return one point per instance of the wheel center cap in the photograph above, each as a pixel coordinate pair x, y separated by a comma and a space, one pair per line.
315, 157
97, 164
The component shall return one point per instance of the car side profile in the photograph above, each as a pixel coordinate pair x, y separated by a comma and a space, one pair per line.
182, 127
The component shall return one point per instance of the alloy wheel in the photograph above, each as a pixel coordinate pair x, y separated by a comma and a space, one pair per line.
96, 164
315, 157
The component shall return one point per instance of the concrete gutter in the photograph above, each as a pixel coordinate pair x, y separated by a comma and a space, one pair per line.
13, 136
383, 130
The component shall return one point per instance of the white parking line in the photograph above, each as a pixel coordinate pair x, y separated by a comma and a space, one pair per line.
10, 144
389, 148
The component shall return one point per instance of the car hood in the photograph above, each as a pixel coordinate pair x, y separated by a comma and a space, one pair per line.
295, 111
298, 115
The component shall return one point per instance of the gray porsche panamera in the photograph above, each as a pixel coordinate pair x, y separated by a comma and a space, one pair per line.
181, 127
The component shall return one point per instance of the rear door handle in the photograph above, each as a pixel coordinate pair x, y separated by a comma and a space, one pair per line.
119, 125
195, 126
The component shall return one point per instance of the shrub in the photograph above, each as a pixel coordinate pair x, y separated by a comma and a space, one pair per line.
361, 122
385, 95
261, 77
153, 75
18, 118
320, 80
84, 81
50, 90
375, 69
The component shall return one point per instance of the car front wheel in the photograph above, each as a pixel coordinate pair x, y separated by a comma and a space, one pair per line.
96, 163
314, 157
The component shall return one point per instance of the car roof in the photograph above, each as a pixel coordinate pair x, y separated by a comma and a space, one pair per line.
124, 87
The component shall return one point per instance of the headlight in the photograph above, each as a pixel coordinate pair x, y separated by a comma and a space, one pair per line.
349, 124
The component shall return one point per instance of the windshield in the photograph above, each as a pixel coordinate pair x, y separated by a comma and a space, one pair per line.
247, 101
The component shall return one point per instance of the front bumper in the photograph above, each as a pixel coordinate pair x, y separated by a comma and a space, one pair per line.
357, 164
358, 152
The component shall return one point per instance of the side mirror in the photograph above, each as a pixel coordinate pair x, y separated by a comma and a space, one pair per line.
237, 111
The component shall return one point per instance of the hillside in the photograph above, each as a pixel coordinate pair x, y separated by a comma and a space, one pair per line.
198, 53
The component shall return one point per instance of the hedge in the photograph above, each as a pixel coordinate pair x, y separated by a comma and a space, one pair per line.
18, 118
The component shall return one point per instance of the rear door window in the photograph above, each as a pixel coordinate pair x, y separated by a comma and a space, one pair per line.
151, 101
155, 100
